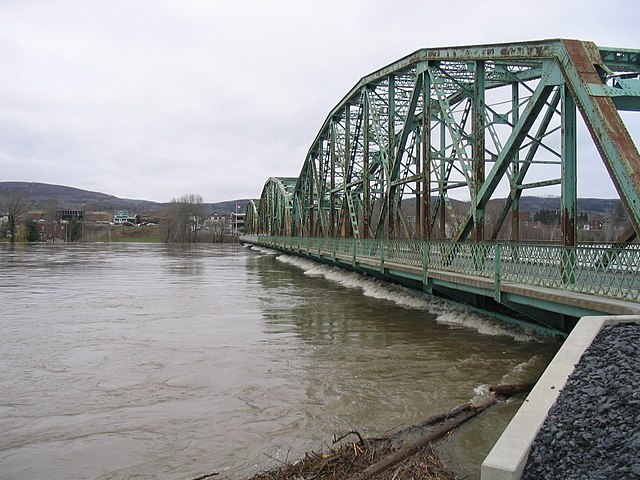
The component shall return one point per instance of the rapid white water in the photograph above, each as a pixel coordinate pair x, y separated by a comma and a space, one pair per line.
446, 313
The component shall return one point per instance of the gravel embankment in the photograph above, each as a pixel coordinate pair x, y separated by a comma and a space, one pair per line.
593, 430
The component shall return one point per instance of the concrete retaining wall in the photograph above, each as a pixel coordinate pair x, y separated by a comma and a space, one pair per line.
507, 459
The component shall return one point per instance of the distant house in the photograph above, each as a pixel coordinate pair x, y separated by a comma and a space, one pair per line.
122, 216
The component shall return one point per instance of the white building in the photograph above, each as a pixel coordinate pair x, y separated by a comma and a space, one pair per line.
122, 216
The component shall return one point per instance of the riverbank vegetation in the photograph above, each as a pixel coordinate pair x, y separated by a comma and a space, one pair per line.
349, 460
186, 219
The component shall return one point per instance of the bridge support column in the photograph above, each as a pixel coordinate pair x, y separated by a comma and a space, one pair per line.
569, 185
515, 206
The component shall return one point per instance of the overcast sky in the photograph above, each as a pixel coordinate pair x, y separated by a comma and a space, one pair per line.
154, 99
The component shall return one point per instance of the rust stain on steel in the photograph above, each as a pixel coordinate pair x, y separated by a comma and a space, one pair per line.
529, 51
568, 228
585, 56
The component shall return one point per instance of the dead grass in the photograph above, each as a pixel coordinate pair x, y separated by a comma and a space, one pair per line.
350, 459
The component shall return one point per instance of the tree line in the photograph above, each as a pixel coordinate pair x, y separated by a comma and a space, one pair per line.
183, 221
553, 217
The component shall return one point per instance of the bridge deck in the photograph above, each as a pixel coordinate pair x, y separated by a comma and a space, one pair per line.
468, 274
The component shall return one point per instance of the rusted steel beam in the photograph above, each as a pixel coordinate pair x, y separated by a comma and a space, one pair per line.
478, 129
608, 131
569, 177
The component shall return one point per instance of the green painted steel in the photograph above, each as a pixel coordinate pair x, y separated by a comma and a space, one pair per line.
251, 221
426, 126
274, 209
406, 141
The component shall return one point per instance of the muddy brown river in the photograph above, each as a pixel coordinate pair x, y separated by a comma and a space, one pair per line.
169, 361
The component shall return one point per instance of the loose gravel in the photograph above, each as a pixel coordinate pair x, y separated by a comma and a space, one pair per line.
592, 432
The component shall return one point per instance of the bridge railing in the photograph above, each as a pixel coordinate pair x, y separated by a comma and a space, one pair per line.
611, 272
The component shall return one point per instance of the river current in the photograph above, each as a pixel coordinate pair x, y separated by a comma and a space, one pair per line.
173, 361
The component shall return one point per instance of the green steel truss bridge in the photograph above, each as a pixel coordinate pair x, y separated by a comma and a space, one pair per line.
378, 187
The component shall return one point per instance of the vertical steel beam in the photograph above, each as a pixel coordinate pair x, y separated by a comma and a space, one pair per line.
417, 233
332, 190
515, 207
569, 169
391, 133
478, 130
320, 189
312, 213
346, 166
366, 195
442, 186
426, 156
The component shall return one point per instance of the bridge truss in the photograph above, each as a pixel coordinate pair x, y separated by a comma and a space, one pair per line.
463, 122
275, 205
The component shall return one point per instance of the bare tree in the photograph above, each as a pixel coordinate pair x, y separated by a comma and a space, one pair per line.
217, 227
184, 217
15, 206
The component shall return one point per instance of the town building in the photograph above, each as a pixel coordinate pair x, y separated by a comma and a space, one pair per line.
122, 216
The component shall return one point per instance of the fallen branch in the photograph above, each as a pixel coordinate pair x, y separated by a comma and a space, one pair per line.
410, 449
440, 417
208, 475
352, 432
508, 390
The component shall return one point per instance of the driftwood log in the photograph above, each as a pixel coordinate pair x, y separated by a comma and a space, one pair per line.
408, 450
452, 420
208, 475
508, 390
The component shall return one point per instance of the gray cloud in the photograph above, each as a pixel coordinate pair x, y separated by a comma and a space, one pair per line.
152, 99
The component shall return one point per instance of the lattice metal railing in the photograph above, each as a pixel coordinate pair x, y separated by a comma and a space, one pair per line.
610, 272
405, 252
466, 258
372, 249
606, 272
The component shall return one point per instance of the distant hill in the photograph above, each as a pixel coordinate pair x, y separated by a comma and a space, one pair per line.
38, 194
74, 198
592, 206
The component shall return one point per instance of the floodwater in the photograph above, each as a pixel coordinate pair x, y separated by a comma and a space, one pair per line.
171, 361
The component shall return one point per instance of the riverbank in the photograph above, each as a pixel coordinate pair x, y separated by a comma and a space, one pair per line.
580, 416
